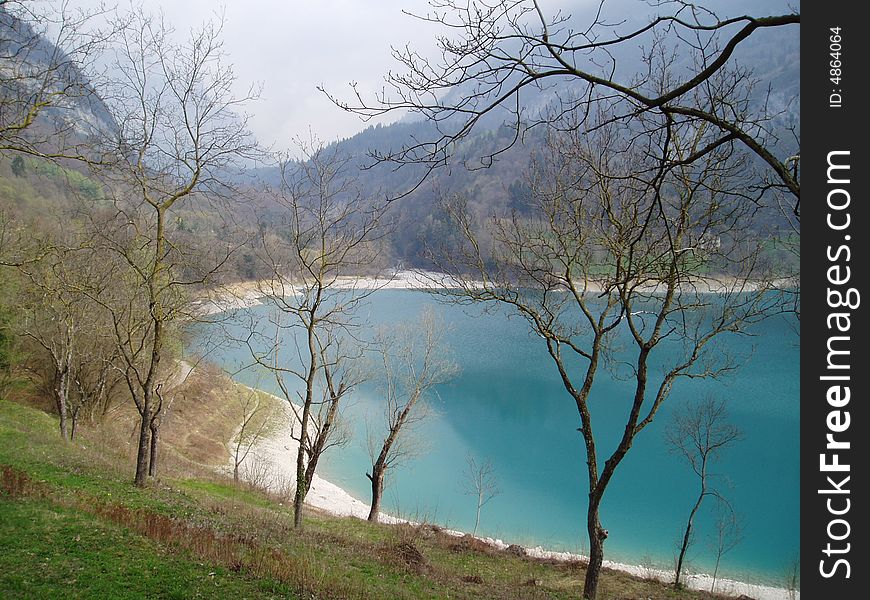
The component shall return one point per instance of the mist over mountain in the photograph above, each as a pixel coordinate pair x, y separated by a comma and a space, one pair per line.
772, 57
34, 69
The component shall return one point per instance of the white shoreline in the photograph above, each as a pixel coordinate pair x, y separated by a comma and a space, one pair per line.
247, 294
279, 452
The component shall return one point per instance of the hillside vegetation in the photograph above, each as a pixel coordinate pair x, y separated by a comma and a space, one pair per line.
74, 527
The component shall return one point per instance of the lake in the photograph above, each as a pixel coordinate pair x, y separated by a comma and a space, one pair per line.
508, 405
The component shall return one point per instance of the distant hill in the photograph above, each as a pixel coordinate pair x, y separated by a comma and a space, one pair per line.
772, 56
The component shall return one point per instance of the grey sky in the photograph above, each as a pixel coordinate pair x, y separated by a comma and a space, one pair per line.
290, 47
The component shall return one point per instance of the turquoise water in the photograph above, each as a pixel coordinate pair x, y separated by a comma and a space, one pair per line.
508, 405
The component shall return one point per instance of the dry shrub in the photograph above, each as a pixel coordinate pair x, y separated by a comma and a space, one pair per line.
435, 529
407, 554
576, 565
284, 488
408, 532
16, 484
413, 531
256, 472
469, 543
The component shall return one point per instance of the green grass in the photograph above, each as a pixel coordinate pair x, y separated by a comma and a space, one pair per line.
72, 525
224, 491
56, 552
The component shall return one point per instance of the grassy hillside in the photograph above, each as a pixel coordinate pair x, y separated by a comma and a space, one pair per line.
72, 526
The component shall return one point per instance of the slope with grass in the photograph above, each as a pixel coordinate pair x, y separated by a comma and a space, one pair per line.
72, 525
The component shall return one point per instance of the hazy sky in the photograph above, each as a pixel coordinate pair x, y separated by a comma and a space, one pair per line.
290, 47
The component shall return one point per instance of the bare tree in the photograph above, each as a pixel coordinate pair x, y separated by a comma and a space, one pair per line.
68, 332
94, 375
17, 246
479, 481
324, 230
495, 53
97, 378
627, 233
257, 419
698, 433
72, 347
414, 362
613, 248
99, 381
179, 132
728, 533
52, 326
10, 342
793, 578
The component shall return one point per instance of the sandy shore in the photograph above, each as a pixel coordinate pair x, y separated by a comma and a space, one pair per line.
246, 294
277, 455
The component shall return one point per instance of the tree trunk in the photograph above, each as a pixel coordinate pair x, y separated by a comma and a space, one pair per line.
143, 449
477, 517
716, 573
237, 456
301, 483
61, 397
597, 535
687, 536
299, 498
377, 479
157, 319
74, 419
310, 469
155, 438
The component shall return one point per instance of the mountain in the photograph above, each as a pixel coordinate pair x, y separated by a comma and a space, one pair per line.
33, 67
771, 57
39, 78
